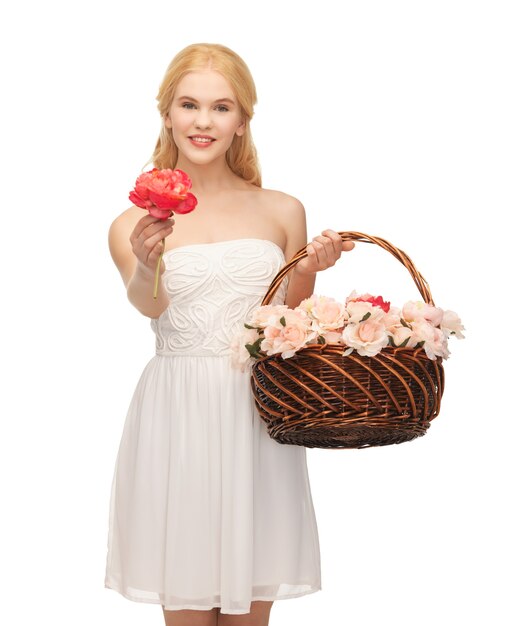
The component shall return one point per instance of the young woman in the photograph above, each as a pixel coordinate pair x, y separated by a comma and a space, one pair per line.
209, 516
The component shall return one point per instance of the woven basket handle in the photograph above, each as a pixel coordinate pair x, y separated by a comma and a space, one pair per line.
401, 256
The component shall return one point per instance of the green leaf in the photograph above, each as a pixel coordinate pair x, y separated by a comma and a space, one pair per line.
404, 342
405, 323
251, 349
391, 341
283, 321
368, 314
321, 340
248, 326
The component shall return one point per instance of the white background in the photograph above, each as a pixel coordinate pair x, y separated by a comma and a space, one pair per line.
389, 118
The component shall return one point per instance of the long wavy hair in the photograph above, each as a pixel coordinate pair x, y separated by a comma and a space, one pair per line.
241, 156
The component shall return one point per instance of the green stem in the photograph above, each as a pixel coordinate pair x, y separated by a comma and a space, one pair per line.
156, 274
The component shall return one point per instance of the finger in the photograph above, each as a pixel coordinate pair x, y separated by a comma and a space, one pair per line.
336, 239
329, 247
311, 252
320, 250
142, 224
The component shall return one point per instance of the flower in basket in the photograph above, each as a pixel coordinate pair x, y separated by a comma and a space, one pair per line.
365, 324
365, 331
163, 193
287, 334
327, 315
367, 337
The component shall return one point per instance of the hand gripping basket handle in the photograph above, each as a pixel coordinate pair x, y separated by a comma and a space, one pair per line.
401, 256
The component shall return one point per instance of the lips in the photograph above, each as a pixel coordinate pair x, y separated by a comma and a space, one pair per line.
202, 137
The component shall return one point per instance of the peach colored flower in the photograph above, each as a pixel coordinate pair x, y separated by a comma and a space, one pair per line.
326, 313
266, 314
288, 337
451, 325
400, 334
393, 318
367, 337
435, 341
415, 311
240, 356
357, 310
334, 337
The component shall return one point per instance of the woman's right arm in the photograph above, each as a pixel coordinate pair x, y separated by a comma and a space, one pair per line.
135, 245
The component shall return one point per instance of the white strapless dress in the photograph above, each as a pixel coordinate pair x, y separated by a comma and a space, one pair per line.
206, 510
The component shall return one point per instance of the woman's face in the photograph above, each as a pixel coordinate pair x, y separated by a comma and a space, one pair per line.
204, 104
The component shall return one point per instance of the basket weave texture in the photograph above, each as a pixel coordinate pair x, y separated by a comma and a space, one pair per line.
319, 398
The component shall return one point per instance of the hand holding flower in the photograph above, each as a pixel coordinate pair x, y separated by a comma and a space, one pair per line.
161, 192
147, 240
323, 252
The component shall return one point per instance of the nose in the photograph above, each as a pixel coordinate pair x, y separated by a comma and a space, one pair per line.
202, 119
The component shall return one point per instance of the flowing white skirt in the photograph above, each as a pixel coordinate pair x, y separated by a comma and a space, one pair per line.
206, 510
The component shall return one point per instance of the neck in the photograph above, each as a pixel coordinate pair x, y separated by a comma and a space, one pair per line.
210, 178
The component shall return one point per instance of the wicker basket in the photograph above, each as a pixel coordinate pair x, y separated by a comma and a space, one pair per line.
319, 398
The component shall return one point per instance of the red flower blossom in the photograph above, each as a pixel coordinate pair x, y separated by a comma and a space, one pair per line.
163, 193
375, 301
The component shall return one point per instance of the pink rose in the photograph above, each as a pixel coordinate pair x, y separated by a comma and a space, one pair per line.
288, 337
451, 325
334, 337
367, 337
326, 313
400, 334
358, 310
435, 341
415, 311
393, 317
240, 356
263, 315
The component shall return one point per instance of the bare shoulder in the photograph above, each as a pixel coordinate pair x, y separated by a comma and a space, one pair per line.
119, 241
283, 201
291, 216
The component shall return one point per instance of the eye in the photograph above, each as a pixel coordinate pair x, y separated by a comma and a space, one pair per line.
222, 107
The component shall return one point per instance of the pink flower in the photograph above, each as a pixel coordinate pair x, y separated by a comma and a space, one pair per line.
326, 313
358, 310
435, 341
367, 337
240, 356
451, 325
266, 314
288, 334
415, 311
393, 317
334, 337
400, 334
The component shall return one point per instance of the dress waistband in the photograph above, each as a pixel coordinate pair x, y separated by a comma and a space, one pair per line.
203, 353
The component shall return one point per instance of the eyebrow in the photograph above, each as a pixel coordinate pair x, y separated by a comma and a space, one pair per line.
194, 100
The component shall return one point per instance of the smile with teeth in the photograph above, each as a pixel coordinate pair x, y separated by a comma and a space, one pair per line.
201, 139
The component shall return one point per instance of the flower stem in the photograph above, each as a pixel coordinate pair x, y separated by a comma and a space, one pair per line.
157, 273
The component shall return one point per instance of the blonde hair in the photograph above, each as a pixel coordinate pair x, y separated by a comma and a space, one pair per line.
241, 156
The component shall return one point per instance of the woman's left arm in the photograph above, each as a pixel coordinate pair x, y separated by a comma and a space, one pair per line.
322, 252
